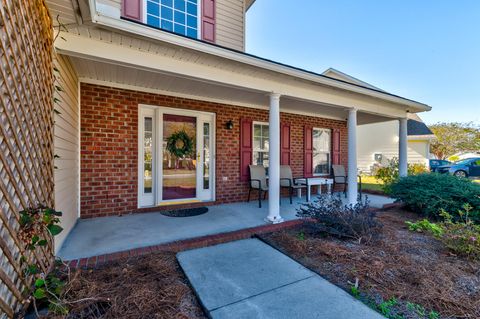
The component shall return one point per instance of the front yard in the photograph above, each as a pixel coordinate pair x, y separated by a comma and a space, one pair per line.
403, 275
370, 183
152, 286
426, 269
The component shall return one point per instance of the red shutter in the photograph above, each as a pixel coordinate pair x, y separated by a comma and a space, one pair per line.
245, 148
335, 147
132, 9
208, 20
308, 152
285, 144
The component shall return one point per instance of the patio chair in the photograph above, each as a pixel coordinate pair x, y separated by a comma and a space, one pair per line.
258, 182
340, 178
287, 180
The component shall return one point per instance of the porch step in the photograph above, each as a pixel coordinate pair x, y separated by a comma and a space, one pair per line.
177, 246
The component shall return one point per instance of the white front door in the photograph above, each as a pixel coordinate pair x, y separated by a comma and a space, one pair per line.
176, 156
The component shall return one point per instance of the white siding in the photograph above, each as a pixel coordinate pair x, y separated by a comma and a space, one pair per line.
419, 151
230, 20
67, 130
231, 24
64, 9
382, 138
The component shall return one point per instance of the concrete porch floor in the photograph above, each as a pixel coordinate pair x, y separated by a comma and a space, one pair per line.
98, 236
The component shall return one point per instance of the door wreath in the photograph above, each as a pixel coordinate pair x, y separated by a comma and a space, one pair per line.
180, 144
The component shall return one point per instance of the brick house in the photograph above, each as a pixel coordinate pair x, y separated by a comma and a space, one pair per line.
144, 79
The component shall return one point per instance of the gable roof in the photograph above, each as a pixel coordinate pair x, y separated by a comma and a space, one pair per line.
213, 49
339, 75
248, 4
416, 127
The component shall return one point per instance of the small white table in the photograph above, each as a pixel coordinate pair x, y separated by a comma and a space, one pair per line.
316, 181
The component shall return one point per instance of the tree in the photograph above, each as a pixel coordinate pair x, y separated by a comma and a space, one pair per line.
452, 138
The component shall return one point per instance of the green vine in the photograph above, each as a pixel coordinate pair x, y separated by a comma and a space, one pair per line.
37, 228
57, 85
180, 144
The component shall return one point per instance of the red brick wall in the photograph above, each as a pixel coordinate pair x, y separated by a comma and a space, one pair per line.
109, 146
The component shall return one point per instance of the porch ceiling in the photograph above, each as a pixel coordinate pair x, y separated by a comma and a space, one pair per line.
105, 73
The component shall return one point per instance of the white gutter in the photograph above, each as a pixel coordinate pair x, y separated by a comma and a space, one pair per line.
142, 30
422, 137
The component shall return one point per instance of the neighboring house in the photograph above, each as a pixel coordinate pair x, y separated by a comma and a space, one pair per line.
144, 79
378, 142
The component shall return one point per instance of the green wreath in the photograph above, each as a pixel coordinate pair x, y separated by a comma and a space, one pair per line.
180, 144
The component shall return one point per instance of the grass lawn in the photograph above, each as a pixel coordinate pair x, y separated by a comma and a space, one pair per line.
371, 183
403, 275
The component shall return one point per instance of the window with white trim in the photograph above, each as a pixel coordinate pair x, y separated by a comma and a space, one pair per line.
260, 144
179, 16
322, 140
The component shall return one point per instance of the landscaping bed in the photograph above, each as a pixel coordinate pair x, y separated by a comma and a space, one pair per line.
151, 286
403, 274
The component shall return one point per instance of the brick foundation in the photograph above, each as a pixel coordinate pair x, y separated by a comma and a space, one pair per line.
109, 146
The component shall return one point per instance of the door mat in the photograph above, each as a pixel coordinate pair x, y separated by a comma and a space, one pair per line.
189, 212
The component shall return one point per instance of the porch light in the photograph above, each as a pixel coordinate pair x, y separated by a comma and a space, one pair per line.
230, 125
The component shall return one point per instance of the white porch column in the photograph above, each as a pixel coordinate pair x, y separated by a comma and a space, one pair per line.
402, 148
352, 157
274, 161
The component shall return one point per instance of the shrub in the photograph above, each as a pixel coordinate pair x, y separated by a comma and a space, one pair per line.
461, 237
428, 194
330, 215
425, 226
389, 174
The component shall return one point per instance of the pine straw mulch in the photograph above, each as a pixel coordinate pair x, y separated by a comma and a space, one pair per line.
151, 286
408, 266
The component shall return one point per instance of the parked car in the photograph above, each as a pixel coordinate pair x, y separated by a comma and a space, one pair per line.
469, 167
435, 163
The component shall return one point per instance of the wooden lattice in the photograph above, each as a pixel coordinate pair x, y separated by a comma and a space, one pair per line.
26, 136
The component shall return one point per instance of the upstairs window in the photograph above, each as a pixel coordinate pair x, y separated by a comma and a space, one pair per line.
179, 16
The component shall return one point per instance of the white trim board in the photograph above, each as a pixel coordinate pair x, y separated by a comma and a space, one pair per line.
154, 199
201, 98
105, 20
97, 50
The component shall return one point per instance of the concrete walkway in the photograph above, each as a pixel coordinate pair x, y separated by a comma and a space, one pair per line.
105, 235
249, 279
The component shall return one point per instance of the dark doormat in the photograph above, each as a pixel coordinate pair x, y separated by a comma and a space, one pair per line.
189, 212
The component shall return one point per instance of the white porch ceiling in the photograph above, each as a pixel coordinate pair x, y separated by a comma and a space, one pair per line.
137, 79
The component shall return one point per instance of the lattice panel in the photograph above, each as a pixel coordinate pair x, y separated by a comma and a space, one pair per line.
26, 135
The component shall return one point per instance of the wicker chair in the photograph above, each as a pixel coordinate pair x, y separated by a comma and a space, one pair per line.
258, 182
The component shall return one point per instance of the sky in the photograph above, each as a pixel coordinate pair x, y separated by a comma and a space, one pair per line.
425, 50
